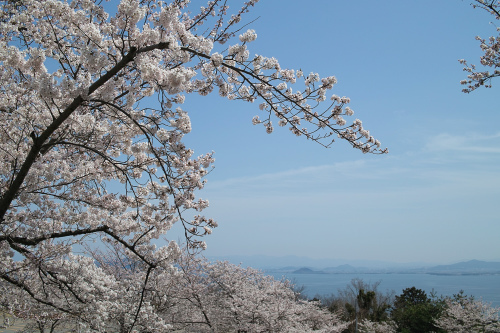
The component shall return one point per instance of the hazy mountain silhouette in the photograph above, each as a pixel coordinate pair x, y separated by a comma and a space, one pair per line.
304, 265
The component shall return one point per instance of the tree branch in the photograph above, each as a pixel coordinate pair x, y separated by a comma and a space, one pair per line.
34, 241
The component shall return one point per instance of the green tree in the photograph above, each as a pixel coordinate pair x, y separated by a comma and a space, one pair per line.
359, 301
369, 307
415, 312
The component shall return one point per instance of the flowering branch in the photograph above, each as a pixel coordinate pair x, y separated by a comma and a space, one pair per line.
491, 56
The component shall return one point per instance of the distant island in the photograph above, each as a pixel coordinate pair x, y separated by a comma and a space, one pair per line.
305, 270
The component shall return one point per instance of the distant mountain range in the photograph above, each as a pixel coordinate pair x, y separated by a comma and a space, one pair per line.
467, 267
472, 267
271, 262
301, 265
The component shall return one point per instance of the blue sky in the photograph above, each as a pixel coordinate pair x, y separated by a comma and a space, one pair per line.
433, 198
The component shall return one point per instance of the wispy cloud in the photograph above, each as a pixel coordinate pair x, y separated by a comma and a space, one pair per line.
414, 174
296, 176
328, 208
474, 143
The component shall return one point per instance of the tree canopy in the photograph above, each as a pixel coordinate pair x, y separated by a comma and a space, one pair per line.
91, 141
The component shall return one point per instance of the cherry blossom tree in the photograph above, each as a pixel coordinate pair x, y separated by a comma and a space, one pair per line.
16, 306
194, 295
86, 161
491, 56
464, 314
224, 297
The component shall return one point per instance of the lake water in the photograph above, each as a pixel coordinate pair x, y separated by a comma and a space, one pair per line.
485, 287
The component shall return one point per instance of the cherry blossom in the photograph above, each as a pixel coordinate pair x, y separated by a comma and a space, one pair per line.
491, 49
91, 141
367, 326
193, 295
223, 297
468, 315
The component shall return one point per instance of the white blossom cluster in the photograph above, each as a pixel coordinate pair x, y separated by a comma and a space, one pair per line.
222, 297
491, 53
367, 326
244, 299
91, 141
466, 315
